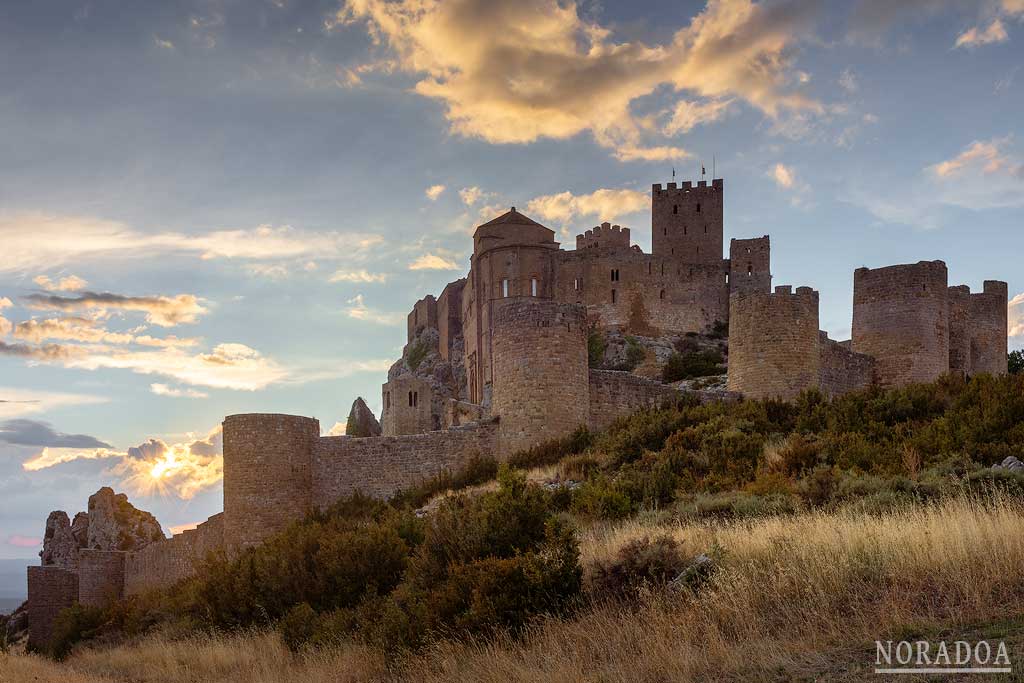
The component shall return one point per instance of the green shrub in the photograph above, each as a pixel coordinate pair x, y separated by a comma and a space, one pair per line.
553, 450
596, 347
1015, 362
635, 353
73, 625
416, 355
298, 626
690, 365
720, 330
641, 563
599, 498
477, 470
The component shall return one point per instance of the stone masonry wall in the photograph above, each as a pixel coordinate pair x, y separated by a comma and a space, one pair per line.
605, 235
842, 370
688, 221
267, 474
901, 318
959, 329
541, 378
988, 329
614, 394
382, 466
773, 343
407, 401
100, 576
162, 564
423, 314
50, 589
750, 264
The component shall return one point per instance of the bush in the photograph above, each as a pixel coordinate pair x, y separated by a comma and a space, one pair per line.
477, 470
416, 355
599, 498
73, 625
596, 346
691, 365
641, 563
553, 451
1015, 362
298, 626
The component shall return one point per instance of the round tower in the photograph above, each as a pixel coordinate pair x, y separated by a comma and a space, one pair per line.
541, 387
773, 342
901, 317
268, 470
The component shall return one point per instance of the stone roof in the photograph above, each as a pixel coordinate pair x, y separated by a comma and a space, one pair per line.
512, 217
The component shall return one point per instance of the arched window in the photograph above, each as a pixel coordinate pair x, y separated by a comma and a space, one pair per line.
750, 270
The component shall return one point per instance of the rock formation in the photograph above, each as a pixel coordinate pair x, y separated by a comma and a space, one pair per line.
361, 420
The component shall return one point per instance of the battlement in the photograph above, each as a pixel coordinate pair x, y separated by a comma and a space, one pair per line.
689, 186
604, 235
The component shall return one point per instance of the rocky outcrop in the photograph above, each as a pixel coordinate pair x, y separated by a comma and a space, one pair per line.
1010, 463
60, 548
116, 524
361, 420
112, 523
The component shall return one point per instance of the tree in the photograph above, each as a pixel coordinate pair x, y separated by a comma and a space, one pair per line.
1016, 362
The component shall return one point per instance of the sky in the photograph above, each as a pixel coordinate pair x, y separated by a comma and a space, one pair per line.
211, 207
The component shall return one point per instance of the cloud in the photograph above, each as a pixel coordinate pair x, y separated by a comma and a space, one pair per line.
988, 157
986, 174
181, 528
358, 310
1016, 317
974, 36
515, 71
165, 311
165, 342
471, 195
164, 390
783, 176
154, 466
39, 241
19, 541
45, 353
5, 325
69, 329
357, 276
163, 44
338, 429
686, 115
602, 204
16, 402
430, 261
71, 283
5, 302
848, 81
434, 191
22, 432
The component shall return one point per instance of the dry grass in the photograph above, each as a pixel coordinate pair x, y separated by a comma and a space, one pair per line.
795, 595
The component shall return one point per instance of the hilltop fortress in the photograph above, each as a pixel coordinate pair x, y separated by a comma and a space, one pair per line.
498, 362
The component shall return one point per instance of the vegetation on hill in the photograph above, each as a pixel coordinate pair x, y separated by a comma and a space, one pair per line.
681, 487
1016, 362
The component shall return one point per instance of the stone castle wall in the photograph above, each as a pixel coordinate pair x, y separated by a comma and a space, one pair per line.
605, 235
164, 563
988, 322
423, 314
901, 318
100, 576
268, 476
773, 343
540, 388
842, 370
614, 394
50, 589
750, 265
407, 402
382, 466
959, 306
687, 221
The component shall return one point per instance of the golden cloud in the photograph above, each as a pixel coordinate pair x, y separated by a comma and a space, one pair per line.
1016, 316
603, 204
358, 310
357, 276
514, 71
433, 262
434, 191
71, 283
165, 311
975, 36
783, 176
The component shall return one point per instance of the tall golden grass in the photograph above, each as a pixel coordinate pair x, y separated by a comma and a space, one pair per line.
795, 597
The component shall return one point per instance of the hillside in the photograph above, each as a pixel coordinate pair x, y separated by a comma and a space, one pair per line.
758, 540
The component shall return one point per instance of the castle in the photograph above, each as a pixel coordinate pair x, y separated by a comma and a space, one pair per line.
499, 362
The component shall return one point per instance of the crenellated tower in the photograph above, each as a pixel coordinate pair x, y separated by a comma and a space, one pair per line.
688, 221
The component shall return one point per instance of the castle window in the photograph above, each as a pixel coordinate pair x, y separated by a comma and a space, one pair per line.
576, 284
684, 230
504, 288
664, 231
662, 268
727, 278
698, 251
410, 399
662, 295
648, 267
415, 398
750, 270
615, 274
698, 207
533, 286
613, 296
673, 251
705, 229
675, 208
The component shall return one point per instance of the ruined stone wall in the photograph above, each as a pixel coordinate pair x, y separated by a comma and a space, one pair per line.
382, 466
267, 473
541, 379
959, 329
50, 589
750, 264
100, 576
901, 318
988, 329
614, 394
407, 402
688, 221
162, 564
423, 314
641, 293
449, 320
842, 370
605, 235
773, 343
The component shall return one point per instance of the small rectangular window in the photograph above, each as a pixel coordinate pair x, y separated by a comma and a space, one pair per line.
533, 286
576, 284
613, 296
504, 288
